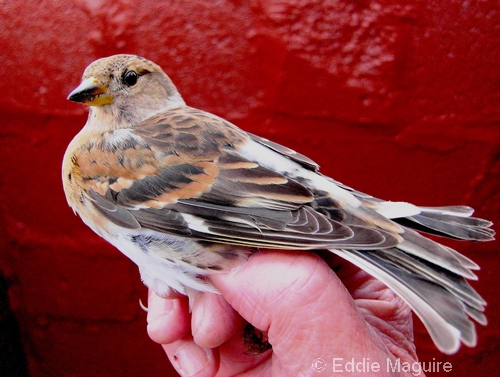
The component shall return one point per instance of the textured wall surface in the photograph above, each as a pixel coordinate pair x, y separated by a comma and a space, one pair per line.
400, 99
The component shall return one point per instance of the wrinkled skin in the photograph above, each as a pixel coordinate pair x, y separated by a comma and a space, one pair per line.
304, 307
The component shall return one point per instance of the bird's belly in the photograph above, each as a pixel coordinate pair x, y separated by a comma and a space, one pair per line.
171, 262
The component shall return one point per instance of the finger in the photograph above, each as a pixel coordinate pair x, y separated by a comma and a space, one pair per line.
189, 359
168, 318
214, 321
216, 324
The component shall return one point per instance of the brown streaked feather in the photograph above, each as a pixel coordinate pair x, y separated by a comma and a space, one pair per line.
186, 161
234, 161
187, 180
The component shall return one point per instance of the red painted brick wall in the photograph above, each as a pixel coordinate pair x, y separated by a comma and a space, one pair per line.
399, 99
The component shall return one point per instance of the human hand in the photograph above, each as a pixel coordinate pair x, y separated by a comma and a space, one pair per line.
305, 309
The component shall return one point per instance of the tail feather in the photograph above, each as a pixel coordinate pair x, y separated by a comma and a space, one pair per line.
454, 283
441, 313
450, 305
462, 211
451, 224
431, 277
476, 315
440, 255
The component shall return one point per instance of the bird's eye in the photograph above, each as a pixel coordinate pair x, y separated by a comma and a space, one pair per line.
130, 77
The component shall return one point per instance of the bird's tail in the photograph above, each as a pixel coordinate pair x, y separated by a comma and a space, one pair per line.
430, 277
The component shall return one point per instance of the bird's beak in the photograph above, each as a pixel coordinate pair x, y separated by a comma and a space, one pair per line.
90, 93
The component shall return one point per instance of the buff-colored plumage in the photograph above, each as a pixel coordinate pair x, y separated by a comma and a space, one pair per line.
185, 194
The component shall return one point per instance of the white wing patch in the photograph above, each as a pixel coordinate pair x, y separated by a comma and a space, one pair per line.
275, 161
394, 210
195, 223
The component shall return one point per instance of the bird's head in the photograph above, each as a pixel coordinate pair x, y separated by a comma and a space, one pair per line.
128, 88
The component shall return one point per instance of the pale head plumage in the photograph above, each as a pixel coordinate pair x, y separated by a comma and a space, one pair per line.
123, 90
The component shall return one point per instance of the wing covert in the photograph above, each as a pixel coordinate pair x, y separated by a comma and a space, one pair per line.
180, 172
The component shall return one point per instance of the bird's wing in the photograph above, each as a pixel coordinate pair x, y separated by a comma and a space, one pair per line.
181, 172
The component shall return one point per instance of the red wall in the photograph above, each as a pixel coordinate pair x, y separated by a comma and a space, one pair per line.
401, 101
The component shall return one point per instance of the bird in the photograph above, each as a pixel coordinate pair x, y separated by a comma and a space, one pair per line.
185, 194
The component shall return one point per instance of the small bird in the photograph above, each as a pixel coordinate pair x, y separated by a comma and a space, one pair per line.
185, 194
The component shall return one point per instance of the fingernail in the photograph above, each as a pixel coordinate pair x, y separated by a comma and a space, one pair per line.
190, 359
159, 307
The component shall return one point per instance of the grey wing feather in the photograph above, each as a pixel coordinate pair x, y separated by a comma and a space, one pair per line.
117, 215
290, 153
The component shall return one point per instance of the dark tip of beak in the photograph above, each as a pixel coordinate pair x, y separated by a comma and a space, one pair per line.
85, 94
90, 93
80, 96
